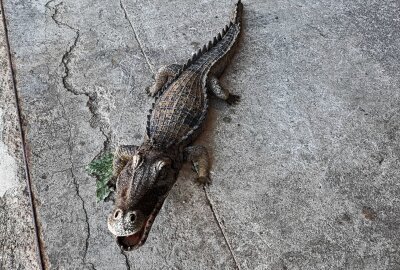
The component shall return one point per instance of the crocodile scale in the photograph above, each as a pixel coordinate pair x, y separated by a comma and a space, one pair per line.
181, 106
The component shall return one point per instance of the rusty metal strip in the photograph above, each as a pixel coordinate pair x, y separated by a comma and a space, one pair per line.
24, 150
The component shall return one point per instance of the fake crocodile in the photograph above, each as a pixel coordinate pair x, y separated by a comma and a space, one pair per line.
143, 175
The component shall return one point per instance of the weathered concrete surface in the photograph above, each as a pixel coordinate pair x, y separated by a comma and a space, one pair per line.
305, 168
17, 236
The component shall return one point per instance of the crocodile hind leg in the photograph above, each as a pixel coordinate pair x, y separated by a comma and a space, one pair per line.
163, 75
122, 155
214, 86
198, 155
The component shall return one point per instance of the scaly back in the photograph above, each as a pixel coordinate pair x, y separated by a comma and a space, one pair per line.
181, 105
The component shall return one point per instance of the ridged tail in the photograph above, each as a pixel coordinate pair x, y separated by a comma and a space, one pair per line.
234, 25
217, 53
238, 13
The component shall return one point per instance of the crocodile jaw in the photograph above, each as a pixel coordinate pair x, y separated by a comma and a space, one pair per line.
135, 240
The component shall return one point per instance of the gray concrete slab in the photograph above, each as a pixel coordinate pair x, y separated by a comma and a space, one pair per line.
17, 236
305, 169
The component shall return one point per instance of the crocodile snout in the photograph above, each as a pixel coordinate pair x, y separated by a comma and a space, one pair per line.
122, 223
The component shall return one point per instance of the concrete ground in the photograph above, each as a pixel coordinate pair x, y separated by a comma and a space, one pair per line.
305, 169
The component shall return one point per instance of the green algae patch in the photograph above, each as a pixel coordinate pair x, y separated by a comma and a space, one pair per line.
102, 169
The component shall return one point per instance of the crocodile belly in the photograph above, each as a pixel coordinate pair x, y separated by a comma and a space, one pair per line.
177, 111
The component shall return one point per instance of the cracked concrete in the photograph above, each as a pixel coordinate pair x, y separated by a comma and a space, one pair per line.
220, 226
305, 169
136, 37
76, 184
65, 60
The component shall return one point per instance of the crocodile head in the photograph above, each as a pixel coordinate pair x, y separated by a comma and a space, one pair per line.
141, 189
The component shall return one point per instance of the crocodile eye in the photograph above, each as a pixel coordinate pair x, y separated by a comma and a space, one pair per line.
160, 164
136, 160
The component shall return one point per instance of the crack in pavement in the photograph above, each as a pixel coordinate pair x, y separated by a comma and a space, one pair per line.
65, 61
136, 37
76, 184
92, 103
221, 228
93, 108
128, 266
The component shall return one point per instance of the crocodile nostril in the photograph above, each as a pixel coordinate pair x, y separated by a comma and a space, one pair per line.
132, 217
118, 214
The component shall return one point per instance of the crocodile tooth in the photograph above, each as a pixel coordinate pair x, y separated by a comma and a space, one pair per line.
219, 37
230, 24
204, 49
215, 40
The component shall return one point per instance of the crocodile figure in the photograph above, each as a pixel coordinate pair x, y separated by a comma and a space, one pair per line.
143, 175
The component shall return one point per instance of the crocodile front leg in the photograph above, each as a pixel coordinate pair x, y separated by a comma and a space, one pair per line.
122, 155
214, 86
163, 75
198, 155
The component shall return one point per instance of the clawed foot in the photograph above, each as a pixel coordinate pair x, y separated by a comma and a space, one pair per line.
112, 183
203, 180
149, 92
233, 99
